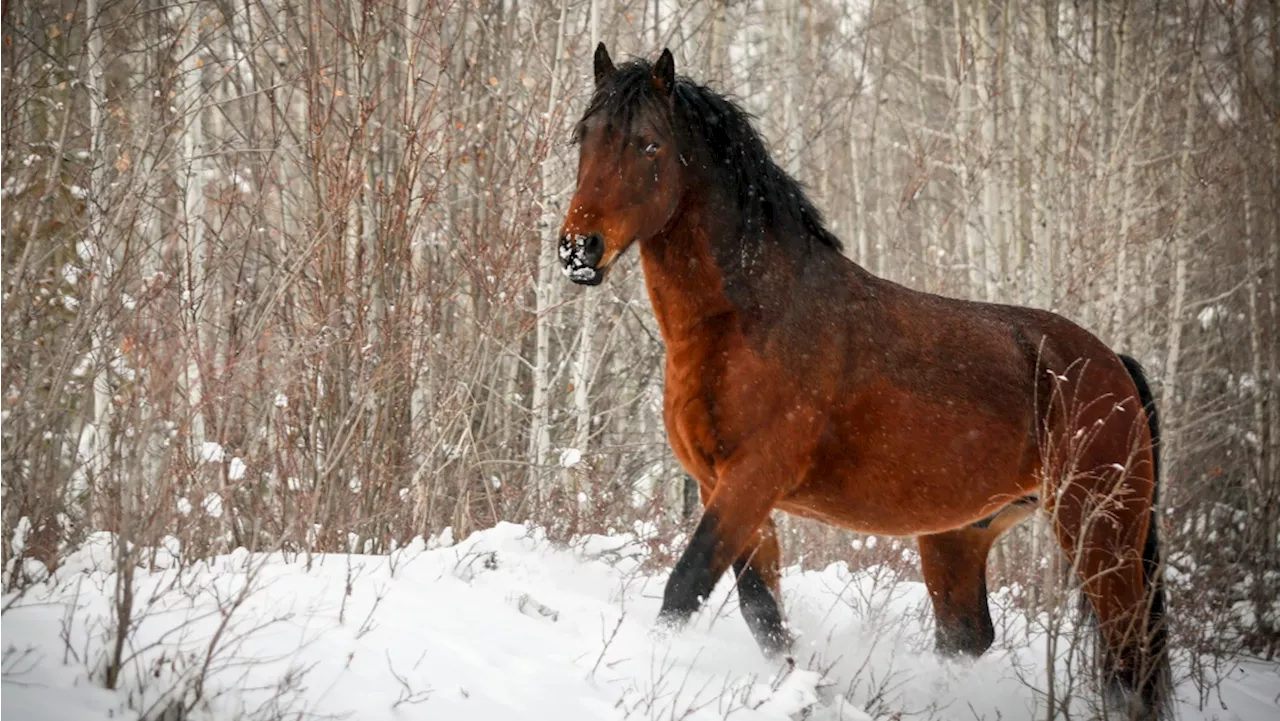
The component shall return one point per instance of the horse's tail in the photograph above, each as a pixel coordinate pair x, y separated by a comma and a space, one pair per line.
1155, 684
1153, 419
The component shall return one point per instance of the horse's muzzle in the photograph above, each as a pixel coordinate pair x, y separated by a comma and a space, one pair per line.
580, 256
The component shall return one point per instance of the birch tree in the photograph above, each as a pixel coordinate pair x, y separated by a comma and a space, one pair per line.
1179, 232
544, 290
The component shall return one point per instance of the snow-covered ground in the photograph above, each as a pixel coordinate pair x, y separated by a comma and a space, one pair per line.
506, 625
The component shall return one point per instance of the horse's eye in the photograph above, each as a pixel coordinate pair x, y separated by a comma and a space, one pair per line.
651, 149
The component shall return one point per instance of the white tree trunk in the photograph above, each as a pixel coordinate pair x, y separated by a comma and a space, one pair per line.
781, 43
1043, 176
1272, 264
101, 261
1065, 187
861, 233
927, 55
1118, 213
1262, 446
1016, 169
718, 45
545, 290
1272, 469
191, 179
1178, 294
1121, 303
987, 75
422, 406
582, 366
962, 82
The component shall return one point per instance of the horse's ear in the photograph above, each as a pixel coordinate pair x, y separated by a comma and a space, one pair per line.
603, 65
664, 73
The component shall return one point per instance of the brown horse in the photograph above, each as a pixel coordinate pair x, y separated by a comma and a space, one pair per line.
796, 380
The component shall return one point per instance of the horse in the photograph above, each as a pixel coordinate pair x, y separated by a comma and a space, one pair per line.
796, 380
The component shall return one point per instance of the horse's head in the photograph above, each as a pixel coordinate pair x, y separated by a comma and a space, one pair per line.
629, 179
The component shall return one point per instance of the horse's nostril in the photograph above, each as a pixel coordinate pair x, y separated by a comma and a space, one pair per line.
593, 248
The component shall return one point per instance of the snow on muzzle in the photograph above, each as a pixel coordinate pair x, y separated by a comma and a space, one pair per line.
580, 256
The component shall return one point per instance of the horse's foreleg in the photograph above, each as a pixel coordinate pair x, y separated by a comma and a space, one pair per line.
759, 592
729, 524
955, 573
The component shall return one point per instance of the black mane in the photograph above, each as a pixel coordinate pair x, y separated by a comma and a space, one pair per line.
709, 125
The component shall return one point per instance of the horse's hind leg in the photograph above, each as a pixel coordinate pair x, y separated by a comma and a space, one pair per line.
955, 573
1102, 534
759, 593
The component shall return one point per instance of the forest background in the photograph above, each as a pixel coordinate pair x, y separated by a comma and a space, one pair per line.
281, 275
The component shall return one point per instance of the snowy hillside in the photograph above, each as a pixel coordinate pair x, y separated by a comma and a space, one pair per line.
506, 625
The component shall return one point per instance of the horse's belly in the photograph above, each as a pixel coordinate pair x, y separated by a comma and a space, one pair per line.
918, 484
882, 517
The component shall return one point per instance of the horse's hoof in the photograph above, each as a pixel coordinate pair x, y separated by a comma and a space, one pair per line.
660, 633
777, 646
788, 663
1126, 703
963, 642
670, 622
956, 653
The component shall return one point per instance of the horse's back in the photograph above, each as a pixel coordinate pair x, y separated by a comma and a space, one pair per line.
995, 351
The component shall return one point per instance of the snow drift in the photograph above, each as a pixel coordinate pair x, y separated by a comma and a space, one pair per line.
508, 625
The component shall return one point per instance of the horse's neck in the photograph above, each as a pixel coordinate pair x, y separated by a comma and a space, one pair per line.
686, 285
700, 270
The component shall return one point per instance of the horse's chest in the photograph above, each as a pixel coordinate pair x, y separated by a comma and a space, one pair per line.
689, 414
